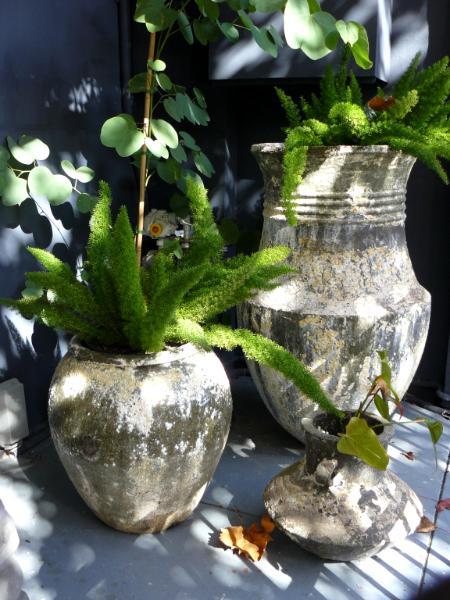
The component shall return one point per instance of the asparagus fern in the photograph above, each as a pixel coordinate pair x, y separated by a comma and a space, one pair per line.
125, 307
414, 119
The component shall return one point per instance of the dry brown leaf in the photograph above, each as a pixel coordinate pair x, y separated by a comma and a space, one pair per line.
425, 525
443, 504
409, 455
380, 104
251, 541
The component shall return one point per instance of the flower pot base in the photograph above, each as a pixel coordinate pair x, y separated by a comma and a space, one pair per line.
341, 517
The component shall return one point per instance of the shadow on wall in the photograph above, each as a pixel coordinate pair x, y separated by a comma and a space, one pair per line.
62, 80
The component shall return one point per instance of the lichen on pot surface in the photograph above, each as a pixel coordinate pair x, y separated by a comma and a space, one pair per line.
336, 506
355, 290
140, 435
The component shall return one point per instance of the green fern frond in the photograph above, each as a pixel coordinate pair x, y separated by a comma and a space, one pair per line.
125, 274
290, 108
268, 353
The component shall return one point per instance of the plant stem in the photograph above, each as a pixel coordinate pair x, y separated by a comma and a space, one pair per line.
143, 163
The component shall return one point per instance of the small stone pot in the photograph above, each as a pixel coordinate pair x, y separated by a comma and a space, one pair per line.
335, 505
140, 435
353, 291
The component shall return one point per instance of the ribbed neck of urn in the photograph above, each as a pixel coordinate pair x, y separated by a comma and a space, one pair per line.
169, 355
358, 184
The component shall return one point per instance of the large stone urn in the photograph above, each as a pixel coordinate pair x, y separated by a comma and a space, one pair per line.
354, 292
140, 435
336, 506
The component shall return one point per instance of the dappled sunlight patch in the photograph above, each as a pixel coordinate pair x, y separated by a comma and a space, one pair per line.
80, 556
148, 541
222, 496
241, 448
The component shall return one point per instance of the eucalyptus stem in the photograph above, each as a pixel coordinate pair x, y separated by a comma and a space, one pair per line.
143, 162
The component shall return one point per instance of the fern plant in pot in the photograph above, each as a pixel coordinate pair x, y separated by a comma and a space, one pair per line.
140, 406
335, 195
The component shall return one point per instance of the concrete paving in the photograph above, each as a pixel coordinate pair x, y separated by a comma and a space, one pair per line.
67, 554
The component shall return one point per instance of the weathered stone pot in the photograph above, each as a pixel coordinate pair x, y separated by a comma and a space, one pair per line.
355, 291
336, 506
140, 435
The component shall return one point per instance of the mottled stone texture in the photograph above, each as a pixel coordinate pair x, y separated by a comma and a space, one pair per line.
355, 291
335, 505
140, 435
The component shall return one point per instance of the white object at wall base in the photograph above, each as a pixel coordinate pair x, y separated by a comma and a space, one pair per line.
13, 413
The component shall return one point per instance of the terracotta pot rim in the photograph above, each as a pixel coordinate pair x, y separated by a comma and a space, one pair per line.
277, 147
166, 356
309, 424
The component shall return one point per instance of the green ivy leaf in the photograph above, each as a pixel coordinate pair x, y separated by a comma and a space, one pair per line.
360, 48
156, 148
13, 189
86, 203
229, 31
361, 441
435, 428
164, 81
203, 164
164, 132
156, 65
189, 141
28, 149
382, 407
122, 134
56, 188
185, 27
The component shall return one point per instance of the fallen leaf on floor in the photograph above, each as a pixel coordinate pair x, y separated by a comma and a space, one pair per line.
251, 541
443, 504
409, 455
425, 525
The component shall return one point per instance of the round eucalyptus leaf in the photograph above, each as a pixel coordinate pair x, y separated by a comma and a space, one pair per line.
164, 81
156, 148
85, 174
267, 6
185, 27
199, 97
156, 65
35, 147
171, 108
13, 189
307, 30
189, 141
360, 49
179, 154
22, 156
229, 31
164, 132
203, 164
69, 169
122, 134
349, 32
86, 203
138, 83
168, 170
56, 188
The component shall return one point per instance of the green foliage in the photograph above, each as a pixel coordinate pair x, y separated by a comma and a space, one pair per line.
124, 307
415, 120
